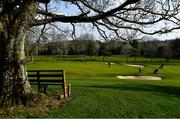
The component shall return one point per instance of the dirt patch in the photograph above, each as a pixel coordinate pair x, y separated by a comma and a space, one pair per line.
140, 77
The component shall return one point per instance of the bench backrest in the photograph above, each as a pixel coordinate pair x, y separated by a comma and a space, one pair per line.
47, 76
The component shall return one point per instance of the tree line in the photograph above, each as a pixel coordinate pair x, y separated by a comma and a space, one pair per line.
88, 45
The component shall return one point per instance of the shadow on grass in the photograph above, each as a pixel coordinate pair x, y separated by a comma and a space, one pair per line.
166, 90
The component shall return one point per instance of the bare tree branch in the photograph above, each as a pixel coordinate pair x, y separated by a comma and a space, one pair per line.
81, 17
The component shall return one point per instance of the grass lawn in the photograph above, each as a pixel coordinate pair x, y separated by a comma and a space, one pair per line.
98, 93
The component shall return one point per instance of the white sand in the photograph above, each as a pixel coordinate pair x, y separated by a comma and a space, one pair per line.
133, 65
140, 77
111, 63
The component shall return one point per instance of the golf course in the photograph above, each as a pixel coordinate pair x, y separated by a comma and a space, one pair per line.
96, 92
89, 59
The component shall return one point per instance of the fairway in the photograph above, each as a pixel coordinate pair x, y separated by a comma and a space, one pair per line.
97, 92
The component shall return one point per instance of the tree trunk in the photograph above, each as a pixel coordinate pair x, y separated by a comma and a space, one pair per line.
31, 57
151, 59
59, 57
127, 59
103, 58
14, 84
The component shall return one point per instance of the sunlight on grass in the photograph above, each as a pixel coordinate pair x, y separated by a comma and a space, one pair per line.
98, 93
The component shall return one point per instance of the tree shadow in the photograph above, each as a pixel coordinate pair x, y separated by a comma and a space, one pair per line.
166, 90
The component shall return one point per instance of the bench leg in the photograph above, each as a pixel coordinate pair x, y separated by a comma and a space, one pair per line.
66, 91
68, 88
40, 88
44, 88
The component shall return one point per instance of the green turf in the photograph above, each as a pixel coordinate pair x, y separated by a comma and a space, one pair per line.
98, 93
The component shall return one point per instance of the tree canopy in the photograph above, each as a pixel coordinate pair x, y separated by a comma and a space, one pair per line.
118, 16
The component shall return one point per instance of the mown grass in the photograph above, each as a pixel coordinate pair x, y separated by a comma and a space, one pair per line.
98, 93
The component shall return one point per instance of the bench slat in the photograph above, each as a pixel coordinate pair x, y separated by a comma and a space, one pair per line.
45, 75
35, 83
45, 70
47, 80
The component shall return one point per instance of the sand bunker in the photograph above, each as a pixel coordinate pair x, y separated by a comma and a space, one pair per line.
133, 65
140, 77
110, 63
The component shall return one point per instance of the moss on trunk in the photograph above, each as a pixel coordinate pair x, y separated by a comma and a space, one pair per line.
14, 85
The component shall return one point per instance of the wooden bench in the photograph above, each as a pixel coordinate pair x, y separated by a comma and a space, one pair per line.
43, 78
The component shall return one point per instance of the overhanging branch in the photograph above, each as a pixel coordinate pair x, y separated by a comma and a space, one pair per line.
80, 18
43, 1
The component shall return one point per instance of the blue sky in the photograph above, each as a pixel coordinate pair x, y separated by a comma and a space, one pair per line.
62, 8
